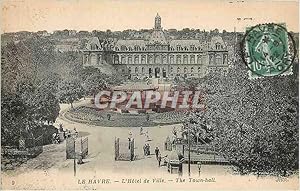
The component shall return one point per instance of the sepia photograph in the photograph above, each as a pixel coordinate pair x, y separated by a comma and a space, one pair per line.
141, 94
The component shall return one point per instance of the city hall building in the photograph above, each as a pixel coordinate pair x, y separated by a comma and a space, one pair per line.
158, 57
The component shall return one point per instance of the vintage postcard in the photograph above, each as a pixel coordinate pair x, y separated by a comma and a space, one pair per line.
149, 95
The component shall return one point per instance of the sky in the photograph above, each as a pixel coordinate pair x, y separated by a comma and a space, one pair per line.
117, 15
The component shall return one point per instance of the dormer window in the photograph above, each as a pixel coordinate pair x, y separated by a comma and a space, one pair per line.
218, 46
123, 48
93, 46
137, 48
192, 47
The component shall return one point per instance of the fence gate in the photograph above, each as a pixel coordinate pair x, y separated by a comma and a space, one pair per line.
84, 147
124, 149
117, 151
168, 144
70, 148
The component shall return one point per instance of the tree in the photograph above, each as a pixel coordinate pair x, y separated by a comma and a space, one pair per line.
69, 91
255, 121
45, 103
93, 84
13, 116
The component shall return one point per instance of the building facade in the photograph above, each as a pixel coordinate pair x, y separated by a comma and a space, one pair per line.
158, 57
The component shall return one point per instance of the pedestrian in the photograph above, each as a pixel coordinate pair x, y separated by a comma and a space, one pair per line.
144, 147
141, 131
148, 149
156, 152
61, 128
75, 132
108, 116
159, 159
57, 139
129, 140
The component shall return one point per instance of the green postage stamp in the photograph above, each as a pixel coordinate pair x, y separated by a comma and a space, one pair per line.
268, 50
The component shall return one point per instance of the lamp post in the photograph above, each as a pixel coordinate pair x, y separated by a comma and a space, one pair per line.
199, 167
74, 138
187, 124
189, 155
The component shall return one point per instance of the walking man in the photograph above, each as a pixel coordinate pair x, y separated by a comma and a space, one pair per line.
145, 149
156, 152
159, 159
148, 149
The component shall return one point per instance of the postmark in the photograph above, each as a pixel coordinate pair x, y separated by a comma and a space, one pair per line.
268, 50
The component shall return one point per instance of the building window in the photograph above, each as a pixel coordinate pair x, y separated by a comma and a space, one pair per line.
185, 59
129, 70
218, 59
171, 70
136, 70
178, 70
171, 59
178, 48
116, 59
136, 59
157, 59
143, 59
129, 60
192, 58
178, 59
150, 59
130, 49
199, 69
93, 59
185, 48
123, 60
143, 69
192, 69
116, 49
198, 59
164, 59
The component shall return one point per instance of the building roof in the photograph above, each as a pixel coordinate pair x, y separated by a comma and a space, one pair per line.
184, 43
93, 41
130, 43
216, 40
158, 36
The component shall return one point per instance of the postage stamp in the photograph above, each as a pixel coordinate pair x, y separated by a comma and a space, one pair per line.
268, 50
149, 95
